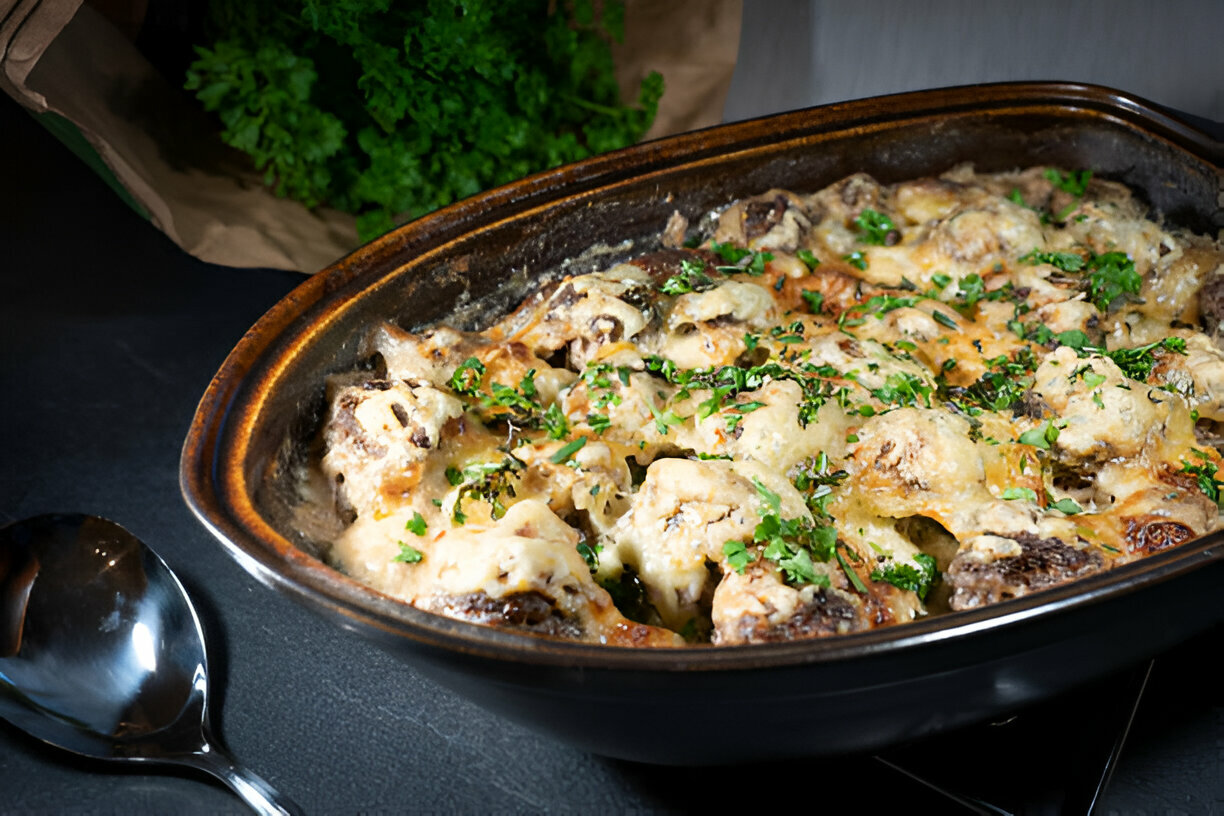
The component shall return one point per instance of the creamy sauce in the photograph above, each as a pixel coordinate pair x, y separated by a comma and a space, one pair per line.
731, 443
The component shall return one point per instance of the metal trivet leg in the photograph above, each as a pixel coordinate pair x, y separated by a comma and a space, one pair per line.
1056, 758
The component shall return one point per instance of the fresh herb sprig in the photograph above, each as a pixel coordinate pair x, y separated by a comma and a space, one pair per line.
369, 107
917, 577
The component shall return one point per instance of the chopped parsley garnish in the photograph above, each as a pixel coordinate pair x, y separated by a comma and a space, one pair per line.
1112, 276
1205, 473
814, 300
738, 555
520, 403
1066, 261
565, 452
902, 389
663, 419
739, 260
599, 422
856, 260
487, 482
555, 422
1019, 494
729, 252
1137, 363
690, 278
1043, 436
1090, 377
809, 259
1068, 506
407, 554
1001, 387
917, 579
971, 289
735, 413
466, 379
815, 480
1042, 335
851, 575
727, 381
881, 305
875, 228
589, 554
792, 544
416, 525
597, 380
1074, 182
944, 319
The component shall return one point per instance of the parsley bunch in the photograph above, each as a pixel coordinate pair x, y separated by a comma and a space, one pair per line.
390, 110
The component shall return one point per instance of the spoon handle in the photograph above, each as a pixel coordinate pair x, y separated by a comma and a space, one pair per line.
251, 788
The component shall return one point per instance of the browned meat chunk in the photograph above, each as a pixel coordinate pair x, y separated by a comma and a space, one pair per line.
1041, 563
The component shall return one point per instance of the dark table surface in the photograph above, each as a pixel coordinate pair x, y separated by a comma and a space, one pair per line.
110, 335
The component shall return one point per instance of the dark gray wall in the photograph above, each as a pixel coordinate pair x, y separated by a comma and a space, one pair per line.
795, 53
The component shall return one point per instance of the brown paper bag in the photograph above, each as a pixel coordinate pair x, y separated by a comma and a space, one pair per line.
70, 66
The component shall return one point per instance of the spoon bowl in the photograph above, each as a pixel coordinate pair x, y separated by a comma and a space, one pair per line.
102, 654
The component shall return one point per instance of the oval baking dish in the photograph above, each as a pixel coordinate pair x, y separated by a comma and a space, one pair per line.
477, 258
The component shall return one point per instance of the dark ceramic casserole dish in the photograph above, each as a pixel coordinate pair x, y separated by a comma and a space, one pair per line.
704, 705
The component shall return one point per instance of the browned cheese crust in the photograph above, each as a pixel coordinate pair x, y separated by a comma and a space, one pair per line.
817, 414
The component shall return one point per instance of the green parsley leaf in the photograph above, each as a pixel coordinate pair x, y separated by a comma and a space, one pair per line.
466, 379
1074, 182
417, 525
729, 252
690, 278
564, 453
1043, 436
809, 259
1137, 363
738, 555
1068, 506
944, 319
902, 389
1019, 493
972, 289
367, 107
555, 422
1205, 474
773, 502
1074, 338
407, 554
856, 260
484, 481
851, 575
1112, 276
1092, 379
1066, 261
875, 228
916, 578
814, 300
590, 554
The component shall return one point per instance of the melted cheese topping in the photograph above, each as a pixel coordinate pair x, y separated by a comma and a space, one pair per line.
838, 411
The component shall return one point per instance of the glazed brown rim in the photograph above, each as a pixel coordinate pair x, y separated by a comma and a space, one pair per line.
212, 468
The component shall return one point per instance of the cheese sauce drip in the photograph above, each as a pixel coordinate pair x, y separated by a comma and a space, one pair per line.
836, 412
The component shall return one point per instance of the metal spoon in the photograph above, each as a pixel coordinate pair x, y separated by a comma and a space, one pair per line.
101, 652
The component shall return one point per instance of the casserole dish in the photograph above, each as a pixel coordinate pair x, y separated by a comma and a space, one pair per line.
476, 259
